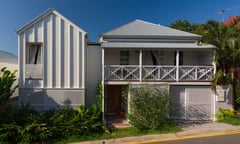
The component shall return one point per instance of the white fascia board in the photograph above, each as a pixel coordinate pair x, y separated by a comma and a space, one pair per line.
156, 45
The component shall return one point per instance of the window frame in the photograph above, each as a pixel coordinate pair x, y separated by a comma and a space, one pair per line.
33, 45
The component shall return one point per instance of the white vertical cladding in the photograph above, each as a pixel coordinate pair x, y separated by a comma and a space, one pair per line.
35, 33
80, 39
58, 52
63, 51
76, 59
39, 31
53, 45
62, 56
71, 56
66, 56
21, 51
45, 49
30, 34
50, 52
47, 64
83, 61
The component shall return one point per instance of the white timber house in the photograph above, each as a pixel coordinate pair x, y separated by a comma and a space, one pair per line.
59, 67
52, 59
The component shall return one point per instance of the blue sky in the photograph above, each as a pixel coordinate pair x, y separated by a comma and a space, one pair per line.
99, 16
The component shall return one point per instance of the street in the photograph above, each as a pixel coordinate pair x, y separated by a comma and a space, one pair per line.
224, 139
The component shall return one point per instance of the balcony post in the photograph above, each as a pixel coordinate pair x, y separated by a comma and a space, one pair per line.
177, 65
103, 72
140, 65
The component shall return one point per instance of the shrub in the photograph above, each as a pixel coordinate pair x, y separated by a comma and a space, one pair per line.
225, 113
7, 78
149, 107
28, 126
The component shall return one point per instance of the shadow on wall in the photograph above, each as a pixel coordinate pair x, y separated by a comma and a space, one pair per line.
42, 99
191, 112
198, 112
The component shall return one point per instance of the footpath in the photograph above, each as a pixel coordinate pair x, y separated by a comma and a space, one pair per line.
190, 130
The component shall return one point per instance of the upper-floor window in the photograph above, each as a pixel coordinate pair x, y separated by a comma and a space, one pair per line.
34, 53
124, 57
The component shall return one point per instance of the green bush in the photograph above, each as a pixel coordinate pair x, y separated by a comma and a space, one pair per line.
7, 78
225, 113
149, 108
28, 126
24, 126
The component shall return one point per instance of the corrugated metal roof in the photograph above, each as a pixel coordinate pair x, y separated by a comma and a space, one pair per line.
141, 28
7, 57
157, 45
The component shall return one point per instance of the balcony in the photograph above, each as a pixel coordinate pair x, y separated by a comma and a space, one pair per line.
33, 71
158, 73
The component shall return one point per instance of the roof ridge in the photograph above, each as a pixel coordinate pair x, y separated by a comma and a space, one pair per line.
147, 22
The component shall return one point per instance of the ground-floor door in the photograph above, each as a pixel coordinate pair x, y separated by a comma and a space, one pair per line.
193, 102
113, 99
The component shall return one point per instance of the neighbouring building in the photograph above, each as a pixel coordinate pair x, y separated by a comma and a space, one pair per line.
10, 61
59, 67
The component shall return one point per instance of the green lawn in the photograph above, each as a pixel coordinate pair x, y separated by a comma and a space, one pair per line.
119, 133
231, 120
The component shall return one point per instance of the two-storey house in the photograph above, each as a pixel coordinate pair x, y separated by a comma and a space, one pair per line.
59, 67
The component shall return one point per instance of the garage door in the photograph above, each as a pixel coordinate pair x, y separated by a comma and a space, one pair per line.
192, 102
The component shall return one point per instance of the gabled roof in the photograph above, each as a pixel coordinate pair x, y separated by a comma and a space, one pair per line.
42, 16
143, 29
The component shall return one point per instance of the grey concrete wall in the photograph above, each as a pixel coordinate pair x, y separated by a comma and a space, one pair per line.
47, 99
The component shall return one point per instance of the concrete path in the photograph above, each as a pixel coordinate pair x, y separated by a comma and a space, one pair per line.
190, 130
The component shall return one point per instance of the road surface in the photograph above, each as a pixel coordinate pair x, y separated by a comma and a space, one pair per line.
224, 139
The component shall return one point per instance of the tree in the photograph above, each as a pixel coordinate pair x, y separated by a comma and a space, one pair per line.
227, 41
7, 79
183, 25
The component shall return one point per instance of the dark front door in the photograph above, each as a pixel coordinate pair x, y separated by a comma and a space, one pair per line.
113, 99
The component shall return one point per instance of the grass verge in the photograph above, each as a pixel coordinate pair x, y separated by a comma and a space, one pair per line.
120, 133
231, 120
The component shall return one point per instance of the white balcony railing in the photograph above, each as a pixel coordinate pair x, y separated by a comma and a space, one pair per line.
164, 73
33, 71
196, 73
122, 72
